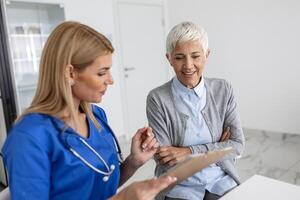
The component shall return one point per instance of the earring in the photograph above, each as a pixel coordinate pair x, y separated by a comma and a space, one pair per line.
71, 82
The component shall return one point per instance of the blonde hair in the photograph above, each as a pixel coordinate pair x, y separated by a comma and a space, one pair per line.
186, 31
69, 43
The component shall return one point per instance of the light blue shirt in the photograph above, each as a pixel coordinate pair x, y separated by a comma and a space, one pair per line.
213, 178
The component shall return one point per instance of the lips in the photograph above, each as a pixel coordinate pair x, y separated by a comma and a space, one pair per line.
103, 92
188, 73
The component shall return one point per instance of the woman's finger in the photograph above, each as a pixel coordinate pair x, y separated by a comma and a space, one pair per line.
228, 136
162, 149
162, 154
166, 159
225, 134
172, 162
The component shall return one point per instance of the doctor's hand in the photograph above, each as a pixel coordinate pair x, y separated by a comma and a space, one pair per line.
144, 190
143, 146
171, 155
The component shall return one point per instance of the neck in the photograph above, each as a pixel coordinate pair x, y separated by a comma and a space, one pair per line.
65, 114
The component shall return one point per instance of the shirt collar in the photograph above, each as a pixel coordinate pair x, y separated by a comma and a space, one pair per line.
198, 90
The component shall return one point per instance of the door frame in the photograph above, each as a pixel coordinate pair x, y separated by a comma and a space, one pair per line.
7, 85
163, 4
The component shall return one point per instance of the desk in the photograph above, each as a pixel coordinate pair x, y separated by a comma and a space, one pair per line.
263, 188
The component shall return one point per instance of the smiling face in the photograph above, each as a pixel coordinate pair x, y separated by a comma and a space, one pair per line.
188, 60
91, 83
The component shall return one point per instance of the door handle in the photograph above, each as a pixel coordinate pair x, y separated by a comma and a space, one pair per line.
126, 69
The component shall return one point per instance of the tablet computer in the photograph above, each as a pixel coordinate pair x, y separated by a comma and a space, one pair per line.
195, 163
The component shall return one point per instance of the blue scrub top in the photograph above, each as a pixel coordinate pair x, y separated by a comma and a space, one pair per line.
40, 165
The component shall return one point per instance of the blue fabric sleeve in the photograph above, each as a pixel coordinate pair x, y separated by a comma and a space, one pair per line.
28, 167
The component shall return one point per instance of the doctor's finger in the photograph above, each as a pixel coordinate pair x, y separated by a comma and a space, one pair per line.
138, 134
149, 138
163, 182
153, 144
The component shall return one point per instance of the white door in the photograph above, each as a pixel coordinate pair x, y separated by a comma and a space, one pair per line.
142, 41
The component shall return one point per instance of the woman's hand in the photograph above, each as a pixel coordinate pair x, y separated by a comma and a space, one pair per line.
144, 190
172, 155
143, 147
225, 135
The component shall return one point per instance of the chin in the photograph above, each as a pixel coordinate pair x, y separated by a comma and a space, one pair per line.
99, 100
95, 100
189, 82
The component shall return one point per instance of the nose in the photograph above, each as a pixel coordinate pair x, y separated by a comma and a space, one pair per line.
188, 63
109, 80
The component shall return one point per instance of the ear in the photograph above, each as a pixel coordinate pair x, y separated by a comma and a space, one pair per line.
207, 53
70, 74
168, 56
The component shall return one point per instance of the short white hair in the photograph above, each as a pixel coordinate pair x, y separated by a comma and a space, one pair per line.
186, 31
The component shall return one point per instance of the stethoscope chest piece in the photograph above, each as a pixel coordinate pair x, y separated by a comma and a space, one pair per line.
112, 168
105, 178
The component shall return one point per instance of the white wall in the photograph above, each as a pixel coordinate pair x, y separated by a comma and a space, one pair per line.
255, 46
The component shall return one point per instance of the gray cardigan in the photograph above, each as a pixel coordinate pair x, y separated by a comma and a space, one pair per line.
219, 112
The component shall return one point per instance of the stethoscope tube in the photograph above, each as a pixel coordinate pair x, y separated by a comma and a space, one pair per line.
110, 169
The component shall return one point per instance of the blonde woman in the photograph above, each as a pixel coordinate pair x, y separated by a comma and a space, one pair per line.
61, 147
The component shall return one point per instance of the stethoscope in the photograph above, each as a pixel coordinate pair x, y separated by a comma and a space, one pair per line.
108, 169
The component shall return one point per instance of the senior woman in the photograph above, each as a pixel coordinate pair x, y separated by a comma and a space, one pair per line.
193, 114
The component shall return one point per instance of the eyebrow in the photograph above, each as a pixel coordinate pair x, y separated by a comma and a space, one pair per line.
196, 52
181, 54
104, 68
